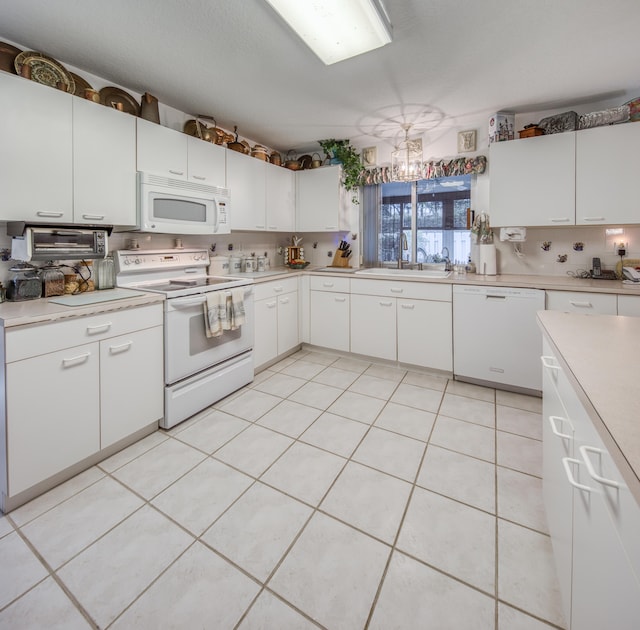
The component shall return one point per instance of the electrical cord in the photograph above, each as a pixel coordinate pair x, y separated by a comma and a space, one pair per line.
579, 273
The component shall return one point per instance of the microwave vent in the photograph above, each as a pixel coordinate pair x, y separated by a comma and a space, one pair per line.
180, 184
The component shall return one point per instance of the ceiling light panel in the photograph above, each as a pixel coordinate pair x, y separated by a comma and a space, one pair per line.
337, 29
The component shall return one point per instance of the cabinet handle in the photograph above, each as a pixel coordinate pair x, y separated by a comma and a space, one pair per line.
327, 284
176, 172
199, 177
567, 470
273, 227
81, 358
94, 330
93, 217
259, 227
580, 304
409, 307
340, 299
44, 213
271, 304
284, 300
396, 290
546, 362
559, 220
123, 347
330, 227
554, 427
591, 470
277, 289
386, 303
593, 219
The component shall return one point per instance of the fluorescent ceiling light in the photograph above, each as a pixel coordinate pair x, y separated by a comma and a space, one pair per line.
337, 29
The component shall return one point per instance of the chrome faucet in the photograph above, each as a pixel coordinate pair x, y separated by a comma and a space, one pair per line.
404, 246
447, 260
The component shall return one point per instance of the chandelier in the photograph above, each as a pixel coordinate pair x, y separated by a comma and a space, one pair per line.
406, 160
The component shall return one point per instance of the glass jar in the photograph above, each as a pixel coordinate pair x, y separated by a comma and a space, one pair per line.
105, 273
52, 280
24, 283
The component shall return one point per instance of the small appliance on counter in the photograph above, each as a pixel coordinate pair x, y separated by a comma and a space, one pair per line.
24, 283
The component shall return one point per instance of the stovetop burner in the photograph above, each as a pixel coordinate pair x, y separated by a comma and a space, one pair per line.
190, 283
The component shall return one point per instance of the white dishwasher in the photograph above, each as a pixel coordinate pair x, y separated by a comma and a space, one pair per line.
496, 339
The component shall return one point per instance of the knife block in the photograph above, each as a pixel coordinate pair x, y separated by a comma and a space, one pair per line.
339, 261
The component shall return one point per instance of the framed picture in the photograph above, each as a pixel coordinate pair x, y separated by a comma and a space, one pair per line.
369, 156
466, 141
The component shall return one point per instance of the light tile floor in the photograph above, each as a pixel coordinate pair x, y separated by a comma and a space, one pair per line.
331, 492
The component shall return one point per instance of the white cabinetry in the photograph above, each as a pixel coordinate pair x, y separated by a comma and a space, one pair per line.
329, 310
629, 305
593, 518
74, 388
168, 152
321, 201
276, 316
582, 302
104, 165
607, 183
280, 199
246, 181
373, 326
36, 158
533, 181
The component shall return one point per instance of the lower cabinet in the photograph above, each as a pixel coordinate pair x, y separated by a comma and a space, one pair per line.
329, 309
582, 302
276, 319
373, 326
74, 388
629, 305
593, 518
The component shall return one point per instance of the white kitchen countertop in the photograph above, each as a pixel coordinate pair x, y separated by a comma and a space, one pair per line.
600, 356
45, 310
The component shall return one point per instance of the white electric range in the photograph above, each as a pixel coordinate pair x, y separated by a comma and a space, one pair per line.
198, 370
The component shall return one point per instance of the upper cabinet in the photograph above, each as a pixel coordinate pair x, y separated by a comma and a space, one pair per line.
104, 165
246, 183
164, 151
280, 199
36, 161
532, 181
64, 159
321, 200
607, 182
586, 177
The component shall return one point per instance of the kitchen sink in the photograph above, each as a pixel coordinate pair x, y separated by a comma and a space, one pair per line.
409, 273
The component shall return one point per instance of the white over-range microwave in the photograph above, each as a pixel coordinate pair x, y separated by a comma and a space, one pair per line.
176, 206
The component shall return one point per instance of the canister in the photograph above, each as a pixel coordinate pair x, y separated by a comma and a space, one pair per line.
218, 265
235, 264
249, 264
260, 263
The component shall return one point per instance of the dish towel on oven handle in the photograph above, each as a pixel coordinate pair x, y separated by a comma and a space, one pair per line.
237, 308
216, 317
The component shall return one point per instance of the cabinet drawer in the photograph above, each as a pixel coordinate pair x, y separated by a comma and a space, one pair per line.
336, 285
266, 290
629, 305
395, 288
31, 341
582, 302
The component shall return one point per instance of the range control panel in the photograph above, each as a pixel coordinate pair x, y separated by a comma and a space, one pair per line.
136, 261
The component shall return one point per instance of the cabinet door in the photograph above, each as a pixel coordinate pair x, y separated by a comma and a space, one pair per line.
318, 199
373, 326
161, 150
265, 344
246, 184
629, 305
53, 405
104, 165
280, 199
36, 155
581, 302
288, 333
425, 334
129, 403
206, 163
607, 183
533, 181
329, 320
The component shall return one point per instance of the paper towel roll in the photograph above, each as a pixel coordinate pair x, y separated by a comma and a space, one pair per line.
487, 259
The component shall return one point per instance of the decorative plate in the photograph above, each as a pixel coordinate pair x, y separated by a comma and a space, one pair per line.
8, 53
44, 70
81, 85
111, 96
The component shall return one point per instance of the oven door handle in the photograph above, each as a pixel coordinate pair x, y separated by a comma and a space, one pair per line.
187, 302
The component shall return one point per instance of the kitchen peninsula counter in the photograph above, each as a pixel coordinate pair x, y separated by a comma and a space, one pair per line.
47, 310
599, 355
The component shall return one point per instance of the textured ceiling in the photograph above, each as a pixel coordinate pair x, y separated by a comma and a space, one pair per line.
450, 61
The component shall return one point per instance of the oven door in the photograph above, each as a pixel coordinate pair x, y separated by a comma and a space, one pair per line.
188, 350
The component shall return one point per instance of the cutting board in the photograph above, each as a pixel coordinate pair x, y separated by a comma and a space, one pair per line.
95, 297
